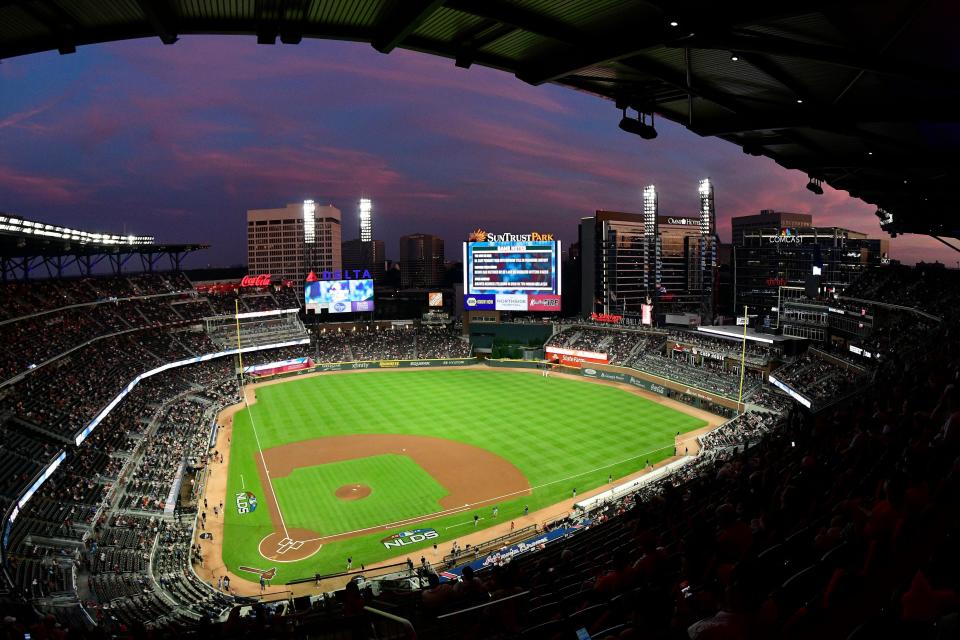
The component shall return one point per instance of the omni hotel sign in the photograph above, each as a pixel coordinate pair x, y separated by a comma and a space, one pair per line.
682, 222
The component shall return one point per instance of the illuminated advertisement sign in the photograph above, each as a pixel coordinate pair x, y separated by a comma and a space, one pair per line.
514, 271
684, 222
609, 318
511, 301
575, 357
543, 302
262, 280
435, 299
479, 303
338, 296
646, 311
787, 235
479, 235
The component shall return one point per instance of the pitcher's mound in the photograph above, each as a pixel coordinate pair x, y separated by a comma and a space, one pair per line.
352, 491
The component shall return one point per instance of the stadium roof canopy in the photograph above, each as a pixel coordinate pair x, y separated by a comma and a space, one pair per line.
862, 95
27, 245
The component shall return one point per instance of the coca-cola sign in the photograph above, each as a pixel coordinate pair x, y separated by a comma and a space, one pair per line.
262, 280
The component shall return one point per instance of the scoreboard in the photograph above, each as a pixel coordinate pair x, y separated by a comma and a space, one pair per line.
512, 276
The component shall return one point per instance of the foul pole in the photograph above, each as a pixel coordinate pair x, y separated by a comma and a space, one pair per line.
743, 358
239, 352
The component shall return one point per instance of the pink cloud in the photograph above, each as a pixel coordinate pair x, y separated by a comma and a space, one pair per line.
39, 188
228, 60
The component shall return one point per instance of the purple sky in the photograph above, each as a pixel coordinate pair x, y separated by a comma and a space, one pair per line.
180, 141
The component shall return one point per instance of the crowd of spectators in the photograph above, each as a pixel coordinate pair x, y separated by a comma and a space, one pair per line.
818, 379
440, 342
398, 343
744, 430
931, 288
648, 351
754, 353
110, 306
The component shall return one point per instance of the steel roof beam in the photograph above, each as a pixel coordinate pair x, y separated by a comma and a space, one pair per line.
403, 19
161, 19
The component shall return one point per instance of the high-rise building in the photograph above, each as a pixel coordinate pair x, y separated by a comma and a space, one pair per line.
632, 259
291, 242
768, 219
366, 220
616, 267
371, 256
687, 262
421, 260
778, 265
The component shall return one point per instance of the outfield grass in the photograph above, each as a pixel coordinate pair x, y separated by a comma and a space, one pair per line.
561, 433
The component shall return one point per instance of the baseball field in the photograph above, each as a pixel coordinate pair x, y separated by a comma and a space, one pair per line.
379, 464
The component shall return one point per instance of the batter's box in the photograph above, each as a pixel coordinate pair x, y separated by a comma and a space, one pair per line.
288, 544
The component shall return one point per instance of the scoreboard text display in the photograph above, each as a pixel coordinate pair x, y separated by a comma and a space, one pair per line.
519, 276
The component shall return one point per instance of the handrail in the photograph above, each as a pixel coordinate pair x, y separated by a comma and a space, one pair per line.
483, 605
411, 633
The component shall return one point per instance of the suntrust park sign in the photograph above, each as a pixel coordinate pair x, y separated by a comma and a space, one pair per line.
479, 235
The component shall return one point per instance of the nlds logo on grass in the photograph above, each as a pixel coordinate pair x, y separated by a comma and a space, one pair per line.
246, 502
413, 536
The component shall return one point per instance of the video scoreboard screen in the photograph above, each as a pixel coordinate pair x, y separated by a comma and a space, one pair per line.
338, 296
512, 276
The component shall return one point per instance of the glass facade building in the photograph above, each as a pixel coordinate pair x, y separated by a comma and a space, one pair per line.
777, 266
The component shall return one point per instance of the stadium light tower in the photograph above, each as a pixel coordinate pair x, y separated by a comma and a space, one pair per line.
708, 248
651, 248
309, 236
366, 220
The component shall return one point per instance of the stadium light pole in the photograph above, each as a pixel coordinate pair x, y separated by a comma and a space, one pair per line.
743, 357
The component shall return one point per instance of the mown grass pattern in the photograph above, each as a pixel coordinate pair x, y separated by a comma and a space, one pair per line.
561, 433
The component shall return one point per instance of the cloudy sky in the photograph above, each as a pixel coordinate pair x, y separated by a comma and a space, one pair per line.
180, 141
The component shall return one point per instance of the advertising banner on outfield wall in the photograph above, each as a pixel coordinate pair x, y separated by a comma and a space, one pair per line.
616, 376
394, 364
575, 357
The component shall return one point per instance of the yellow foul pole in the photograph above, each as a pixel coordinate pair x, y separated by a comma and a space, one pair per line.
239, 353
743, 357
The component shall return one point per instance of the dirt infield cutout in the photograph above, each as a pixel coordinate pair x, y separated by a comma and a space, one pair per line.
352, 492
454, 465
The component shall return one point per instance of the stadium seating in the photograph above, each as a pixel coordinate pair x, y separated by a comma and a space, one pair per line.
834, 524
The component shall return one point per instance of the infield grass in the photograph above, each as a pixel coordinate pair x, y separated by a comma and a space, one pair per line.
561, 433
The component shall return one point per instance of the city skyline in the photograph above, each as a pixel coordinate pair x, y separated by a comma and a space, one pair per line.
134, 137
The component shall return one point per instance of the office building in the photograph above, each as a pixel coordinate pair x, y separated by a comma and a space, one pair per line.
617, 262
291, 242
765, 220
421, 260
632, 259
371, 256
775, 266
